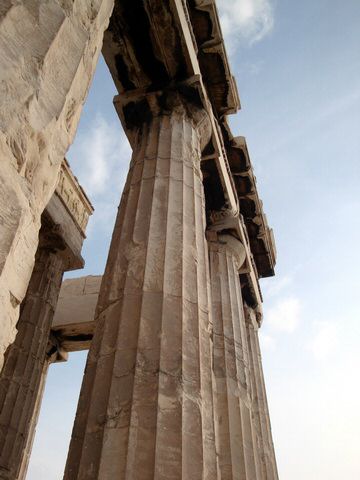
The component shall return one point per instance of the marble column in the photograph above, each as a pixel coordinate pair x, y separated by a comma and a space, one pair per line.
145, 408
27, 358
54, 354
49, 51
262, 428
32, 427
237, 454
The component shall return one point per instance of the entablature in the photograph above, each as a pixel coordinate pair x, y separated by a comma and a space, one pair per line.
261, 236
68, 212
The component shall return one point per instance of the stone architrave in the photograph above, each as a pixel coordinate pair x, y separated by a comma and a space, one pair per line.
26, 360
261, 415
236, 452
145, 408
49, 51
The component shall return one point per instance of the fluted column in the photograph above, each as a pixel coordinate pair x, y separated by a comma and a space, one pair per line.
33, 423
145, 409
26, 359
237, 455
261, 415
54, 353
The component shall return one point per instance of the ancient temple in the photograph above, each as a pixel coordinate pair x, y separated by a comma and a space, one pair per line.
173, 386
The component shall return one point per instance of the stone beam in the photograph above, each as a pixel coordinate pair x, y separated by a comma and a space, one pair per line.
73, 323
69, 209
213, 61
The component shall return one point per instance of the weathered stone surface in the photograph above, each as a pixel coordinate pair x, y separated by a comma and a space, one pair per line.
251, 208
232, 390
32, 424
25, 361
22, 378
261, 423
73, 323
145, 409
151, 46
48, 55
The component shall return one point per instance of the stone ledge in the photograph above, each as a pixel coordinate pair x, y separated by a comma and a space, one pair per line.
73, 197
73, 323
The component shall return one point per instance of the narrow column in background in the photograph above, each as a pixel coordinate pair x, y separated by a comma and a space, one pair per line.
145, 409
54, 354
232, 396
260, 406
26, 359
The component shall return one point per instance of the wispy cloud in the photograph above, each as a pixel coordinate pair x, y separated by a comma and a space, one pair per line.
98, 153
277, 285
245, 21
284, 316
267, 341
324, 341
100, 158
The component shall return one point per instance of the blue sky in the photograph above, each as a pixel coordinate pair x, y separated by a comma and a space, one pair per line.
297, 66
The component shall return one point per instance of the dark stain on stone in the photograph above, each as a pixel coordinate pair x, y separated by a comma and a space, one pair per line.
137, 113
202, 24
123, 73
214, 195
129, 19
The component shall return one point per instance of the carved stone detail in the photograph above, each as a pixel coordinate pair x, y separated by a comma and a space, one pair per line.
73, 197
138, 108
229, 244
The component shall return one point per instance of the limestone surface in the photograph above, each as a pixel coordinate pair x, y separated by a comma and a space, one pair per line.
49, 51
25, 361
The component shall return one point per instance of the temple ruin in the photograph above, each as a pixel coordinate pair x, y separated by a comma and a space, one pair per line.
173, 386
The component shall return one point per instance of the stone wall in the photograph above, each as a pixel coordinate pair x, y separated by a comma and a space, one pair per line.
49, 52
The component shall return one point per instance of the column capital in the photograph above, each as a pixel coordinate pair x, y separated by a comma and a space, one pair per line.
253, 316
223, 219
224, 242
50, 236
138, 107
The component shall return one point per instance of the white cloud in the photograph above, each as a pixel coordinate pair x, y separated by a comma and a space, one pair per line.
266, 341
100, 158
246, 21
274, 285
98, 153
284, 316
324, 341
